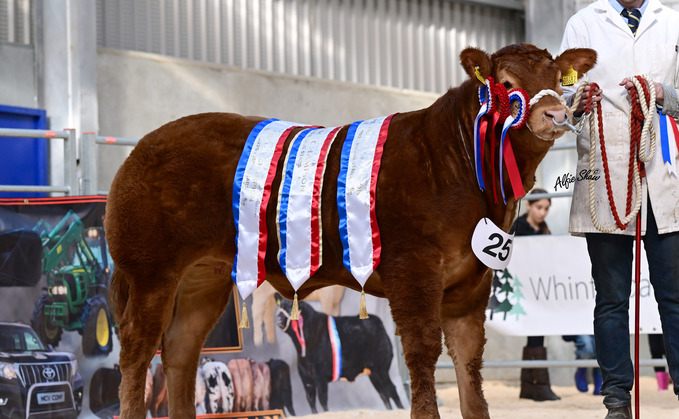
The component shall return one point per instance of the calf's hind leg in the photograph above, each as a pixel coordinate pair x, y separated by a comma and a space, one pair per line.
202, 295
146, 314
463, 328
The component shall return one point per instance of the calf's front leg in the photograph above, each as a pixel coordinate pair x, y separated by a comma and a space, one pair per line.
416, 313
463, 328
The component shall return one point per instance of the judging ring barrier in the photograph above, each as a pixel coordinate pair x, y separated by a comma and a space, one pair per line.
70, 181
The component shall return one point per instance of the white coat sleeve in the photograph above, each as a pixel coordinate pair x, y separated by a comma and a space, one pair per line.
670, 102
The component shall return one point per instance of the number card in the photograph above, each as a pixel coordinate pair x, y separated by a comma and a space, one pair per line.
491, 245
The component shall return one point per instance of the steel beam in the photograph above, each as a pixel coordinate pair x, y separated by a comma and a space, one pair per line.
503, 4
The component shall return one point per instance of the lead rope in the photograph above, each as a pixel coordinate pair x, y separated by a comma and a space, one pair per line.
643, 110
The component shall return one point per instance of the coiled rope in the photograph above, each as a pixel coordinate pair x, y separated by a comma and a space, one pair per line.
642, 148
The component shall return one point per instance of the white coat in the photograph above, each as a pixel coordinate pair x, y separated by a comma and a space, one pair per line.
652, 52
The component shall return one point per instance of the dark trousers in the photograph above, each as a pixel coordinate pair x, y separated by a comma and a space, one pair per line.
612, 271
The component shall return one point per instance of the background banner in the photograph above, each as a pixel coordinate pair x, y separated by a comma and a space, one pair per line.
547, 289
59, 345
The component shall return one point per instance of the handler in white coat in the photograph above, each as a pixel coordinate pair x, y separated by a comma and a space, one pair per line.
646, 43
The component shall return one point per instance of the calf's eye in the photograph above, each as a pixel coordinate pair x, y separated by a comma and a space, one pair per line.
507, 84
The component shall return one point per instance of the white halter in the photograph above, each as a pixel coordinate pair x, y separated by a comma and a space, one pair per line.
545, 92
287, 315
562, 100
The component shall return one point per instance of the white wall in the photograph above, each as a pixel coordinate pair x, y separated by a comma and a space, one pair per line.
139, 92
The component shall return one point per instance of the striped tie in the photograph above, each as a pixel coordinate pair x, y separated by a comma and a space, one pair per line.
633, 16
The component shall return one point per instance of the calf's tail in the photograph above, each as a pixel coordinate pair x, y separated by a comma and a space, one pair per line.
118, 294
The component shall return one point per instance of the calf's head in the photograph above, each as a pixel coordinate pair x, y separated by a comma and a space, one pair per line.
284, 310
527, 67
293, 328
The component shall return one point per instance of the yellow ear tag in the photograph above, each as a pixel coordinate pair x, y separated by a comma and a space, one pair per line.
570, 77
478, 75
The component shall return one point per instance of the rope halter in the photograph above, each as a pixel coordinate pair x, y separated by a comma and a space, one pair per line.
562, 100
547, 92
287, 316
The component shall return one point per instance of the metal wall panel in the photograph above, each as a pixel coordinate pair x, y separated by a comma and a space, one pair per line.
15, 21
409, 44
579, 4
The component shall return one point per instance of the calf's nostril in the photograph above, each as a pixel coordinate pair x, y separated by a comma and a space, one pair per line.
556, 115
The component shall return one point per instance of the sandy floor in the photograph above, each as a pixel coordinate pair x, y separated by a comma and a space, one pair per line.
504, 403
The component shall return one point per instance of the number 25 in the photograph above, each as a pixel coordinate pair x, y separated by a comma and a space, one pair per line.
490, 249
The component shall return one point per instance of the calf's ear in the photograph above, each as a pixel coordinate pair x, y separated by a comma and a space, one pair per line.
581, 59
476, 63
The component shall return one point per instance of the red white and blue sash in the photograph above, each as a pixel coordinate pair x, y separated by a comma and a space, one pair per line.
356, 185
251, 192
336, 346
298, 211
299, 205
669, 142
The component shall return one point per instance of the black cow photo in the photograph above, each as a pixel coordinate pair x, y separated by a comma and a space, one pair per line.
333, 348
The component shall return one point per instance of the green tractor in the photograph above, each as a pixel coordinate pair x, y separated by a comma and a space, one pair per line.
76, 264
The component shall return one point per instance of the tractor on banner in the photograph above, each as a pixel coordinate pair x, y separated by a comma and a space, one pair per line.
78, 269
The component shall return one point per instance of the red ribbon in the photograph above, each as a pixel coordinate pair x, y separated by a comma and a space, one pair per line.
377, 161
483, 127
298, 328
675, 130
513, 170
496, 118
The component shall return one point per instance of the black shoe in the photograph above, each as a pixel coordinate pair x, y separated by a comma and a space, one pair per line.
535, 381
624, 412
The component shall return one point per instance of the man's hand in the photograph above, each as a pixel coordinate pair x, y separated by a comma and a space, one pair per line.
659, 93
583, 100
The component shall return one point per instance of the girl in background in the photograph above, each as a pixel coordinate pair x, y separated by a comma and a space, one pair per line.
535, 383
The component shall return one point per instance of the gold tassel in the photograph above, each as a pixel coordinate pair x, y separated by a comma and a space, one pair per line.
244, 321
294, 313
363, 312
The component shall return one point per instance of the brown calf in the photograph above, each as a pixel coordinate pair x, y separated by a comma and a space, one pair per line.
171, 232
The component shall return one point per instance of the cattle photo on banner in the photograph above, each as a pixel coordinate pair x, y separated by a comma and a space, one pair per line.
274, 374
54, 275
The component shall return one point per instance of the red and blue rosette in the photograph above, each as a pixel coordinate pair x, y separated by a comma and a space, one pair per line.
506, 152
